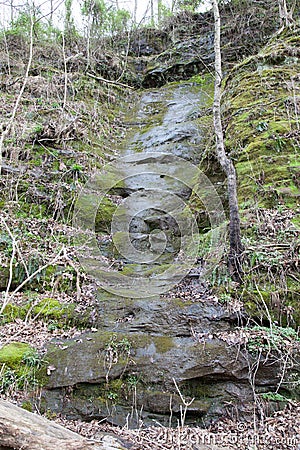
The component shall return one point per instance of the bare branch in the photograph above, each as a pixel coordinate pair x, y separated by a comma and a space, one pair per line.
116, 83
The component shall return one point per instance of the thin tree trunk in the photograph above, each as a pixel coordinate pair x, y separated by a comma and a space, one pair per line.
65, 71
11, 11
152, 12
159, 8
51, 12
68, 18
9, 125
236, 247
135, 12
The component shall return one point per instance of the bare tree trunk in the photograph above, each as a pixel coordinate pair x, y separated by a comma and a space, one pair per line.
159, 11
51, 12
20, 429
152, 12
65, 71
68, 18
11, 11
173, 5
236, 247
135, 11
88, 41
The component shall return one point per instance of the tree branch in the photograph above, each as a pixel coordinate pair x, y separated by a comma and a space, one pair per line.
116, 83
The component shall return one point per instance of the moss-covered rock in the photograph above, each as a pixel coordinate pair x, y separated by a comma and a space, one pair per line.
19, 363
49, 308
104, 215
53, 312
261, 120
103, 212
109, 371
261, 108
11, 355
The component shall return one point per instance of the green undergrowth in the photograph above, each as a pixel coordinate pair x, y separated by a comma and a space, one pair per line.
64, 148
63, 276
34, 248
54, 313
276, 339
19, 363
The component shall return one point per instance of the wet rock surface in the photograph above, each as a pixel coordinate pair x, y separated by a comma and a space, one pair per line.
149, 358
149, 42
126, 372
154, 179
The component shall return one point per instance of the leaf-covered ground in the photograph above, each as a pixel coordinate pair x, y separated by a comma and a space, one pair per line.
279, 432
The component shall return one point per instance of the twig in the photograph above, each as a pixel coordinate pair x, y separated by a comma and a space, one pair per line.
40, 269
65, 72
266, 308
126, 57
11, 268
78, 288
186, 404
116, 83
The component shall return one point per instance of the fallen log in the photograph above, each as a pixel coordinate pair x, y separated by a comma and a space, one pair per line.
20, 429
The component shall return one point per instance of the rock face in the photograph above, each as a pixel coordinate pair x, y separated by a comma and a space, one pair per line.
265, 138
127, 372
148, 41
190, 49
154, 359
181, 61
158, 359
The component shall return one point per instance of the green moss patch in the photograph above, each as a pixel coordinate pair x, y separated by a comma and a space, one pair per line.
261, 127
12, 354
104, 215
19, 363
50, 310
